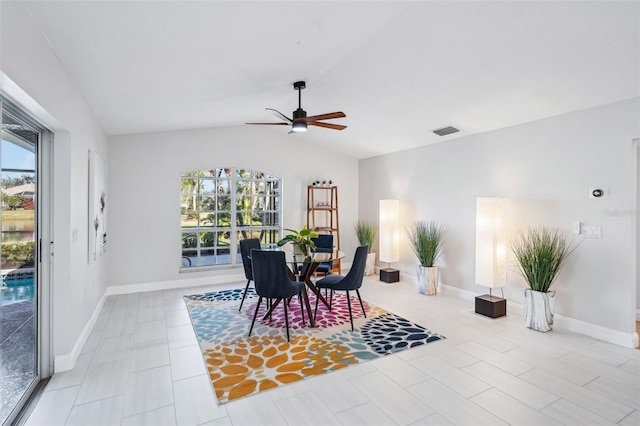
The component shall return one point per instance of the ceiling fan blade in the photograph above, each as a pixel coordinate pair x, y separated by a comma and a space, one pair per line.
327, 125
328, 116
271, 124
279, 115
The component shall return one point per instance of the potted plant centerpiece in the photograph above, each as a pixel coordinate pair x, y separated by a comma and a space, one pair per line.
540, 254
366, 232
426, 242
302, 241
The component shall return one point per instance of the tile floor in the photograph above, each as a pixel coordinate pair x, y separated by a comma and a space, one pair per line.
142, 366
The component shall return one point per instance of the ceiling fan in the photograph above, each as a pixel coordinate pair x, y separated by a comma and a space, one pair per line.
300, 120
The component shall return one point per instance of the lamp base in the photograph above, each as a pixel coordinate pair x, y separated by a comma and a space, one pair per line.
389, 275
491, 306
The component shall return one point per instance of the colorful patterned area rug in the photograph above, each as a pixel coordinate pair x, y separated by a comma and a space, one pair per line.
239, 365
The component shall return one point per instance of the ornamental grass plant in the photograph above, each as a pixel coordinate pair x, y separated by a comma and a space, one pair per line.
541, 253
366, 232
426, 242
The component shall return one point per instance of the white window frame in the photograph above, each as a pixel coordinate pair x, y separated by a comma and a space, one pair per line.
192, 257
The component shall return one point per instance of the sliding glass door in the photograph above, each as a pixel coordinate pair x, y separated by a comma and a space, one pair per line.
20, 288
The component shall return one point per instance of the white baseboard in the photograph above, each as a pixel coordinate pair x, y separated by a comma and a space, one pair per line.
67, 361
629, 340
167, 285
454, 291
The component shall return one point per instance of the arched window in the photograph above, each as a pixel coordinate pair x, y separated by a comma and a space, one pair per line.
220, 207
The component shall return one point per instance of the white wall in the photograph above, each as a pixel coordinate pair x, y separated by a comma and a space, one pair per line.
34, 79
545, 169
144, 183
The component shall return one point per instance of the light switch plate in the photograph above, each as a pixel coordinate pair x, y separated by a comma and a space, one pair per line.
577, 228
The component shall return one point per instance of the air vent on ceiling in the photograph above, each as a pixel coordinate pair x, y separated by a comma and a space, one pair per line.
445, 131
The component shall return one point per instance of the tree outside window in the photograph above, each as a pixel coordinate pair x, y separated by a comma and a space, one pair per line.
219, 207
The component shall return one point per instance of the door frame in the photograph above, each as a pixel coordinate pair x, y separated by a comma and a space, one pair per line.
635, 145
43, 251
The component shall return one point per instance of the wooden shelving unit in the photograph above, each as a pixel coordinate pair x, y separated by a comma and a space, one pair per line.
322, 214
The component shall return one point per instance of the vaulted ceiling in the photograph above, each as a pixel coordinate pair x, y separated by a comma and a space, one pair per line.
397, 69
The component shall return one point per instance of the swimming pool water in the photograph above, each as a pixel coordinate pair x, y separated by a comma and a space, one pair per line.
16, 291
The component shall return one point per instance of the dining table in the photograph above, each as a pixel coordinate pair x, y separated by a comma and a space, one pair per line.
301, 268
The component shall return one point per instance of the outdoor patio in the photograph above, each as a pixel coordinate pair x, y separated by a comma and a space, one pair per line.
17, 361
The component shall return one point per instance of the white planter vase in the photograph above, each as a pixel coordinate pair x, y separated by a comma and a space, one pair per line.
297, 251
427, 279
539, 309
369, 268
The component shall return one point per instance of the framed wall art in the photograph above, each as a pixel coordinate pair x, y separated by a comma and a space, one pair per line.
97, 206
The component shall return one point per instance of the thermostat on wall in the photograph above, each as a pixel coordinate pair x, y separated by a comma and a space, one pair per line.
597, 192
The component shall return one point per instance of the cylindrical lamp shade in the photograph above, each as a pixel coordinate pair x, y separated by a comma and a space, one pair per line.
389, 238
491, 250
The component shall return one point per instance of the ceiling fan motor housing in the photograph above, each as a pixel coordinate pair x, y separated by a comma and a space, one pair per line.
299, 113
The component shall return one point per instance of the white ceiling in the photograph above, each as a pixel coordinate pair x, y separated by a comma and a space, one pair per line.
397, 69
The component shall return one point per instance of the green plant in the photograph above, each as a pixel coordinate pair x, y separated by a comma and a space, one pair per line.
426, 241
302, 239
366, 232
12, 201
17, 254
208, 239
190, 240
541, 253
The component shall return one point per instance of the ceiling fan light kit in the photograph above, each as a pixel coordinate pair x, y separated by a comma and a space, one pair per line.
299, 126
300, 121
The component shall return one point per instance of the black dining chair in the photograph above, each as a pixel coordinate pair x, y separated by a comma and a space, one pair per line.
324, 244
246, 246
271, 281
351, 281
